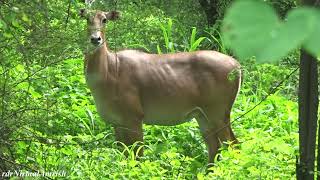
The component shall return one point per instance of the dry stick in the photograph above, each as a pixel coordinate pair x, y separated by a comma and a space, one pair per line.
68, 14
4, 93
45, 140
57, 142
273, 90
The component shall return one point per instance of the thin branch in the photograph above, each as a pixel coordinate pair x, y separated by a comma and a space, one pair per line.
68, 14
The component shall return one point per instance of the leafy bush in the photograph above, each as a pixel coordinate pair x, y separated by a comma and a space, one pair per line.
48, 120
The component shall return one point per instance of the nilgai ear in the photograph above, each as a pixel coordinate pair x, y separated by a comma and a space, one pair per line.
83, 13
113, 15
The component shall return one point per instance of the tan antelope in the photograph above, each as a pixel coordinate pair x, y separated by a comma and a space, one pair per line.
131, 87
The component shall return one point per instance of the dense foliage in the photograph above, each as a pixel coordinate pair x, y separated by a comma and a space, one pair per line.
48, 121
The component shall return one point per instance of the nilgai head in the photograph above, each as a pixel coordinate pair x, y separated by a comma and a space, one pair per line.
96, 21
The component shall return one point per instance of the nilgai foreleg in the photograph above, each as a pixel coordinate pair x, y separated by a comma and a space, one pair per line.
130, 134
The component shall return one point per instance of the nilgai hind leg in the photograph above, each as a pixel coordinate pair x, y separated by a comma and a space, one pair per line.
215, 128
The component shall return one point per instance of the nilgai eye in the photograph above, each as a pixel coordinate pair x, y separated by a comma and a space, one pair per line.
104, 20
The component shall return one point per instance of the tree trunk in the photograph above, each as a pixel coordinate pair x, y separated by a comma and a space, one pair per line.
308, 108
210, 8
308, 111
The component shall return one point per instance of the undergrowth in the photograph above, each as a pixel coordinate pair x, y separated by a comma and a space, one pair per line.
51, 123
268, 137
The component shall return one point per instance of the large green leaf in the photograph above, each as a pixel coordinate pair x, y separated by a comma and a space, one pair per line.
289, 36
247, 26
252, 28
312, 43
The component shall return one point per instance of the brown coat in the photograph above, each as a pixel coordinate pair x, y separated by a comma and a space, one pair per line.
131, 88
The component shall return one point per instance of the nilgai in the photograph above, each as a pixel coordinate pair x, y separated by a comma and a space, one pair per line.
131, 87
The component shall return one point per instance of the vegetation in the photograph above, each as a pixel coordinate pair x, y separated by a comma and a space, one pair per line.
48, 121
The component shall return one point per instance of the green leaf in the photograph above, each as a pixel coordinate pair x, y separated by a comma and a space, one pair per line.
196, 44
169, 28
251, 28
15, 23
22, 86
34, 93
7, 35
132, 163
289, 36
66, 151
193, 36
159, 49
20, 68
247, 26
100, 136
165, 36
91, 118
312, 42
200, 176
25, 18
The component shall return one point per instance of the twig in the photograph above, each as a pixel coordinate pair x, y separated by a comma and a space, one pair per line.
68, 14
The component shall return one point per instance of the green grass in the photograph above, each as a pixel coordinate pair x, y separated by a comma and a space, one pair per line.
50, 120
84, 146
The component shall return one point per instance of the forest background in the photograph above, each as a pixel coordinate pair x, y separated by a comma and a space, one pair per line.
48, 121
